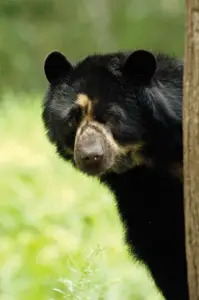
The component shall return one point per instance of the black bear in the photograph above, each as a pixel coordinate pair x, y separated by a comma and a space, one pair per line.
118, 116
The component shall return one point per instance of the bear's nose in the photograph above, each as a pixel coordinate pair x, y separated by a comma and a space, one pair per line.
90, 157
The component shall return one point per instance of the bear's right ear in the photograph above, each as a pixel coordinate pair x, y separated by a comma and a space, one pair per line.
56, 66
140, 66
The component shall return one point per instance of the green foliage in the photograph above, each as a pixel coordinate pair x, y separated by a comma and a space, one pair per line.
61, 237
30, 29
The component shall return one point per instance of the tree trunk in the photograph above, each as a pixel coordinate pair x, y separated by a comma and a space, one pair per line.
191, 145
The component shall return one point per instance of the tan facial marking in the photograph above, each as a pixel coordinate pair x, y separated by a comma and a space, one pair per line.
89, 111
83, 100
88, 125
86, 104
132, 148
135, 150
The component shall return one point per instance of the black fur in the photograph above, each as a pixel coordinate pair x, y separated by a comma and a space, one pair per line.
139, 96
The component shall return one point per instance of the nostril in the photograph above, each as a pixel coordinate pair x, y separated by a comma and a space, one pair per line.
92, 157
97, 157
85, 157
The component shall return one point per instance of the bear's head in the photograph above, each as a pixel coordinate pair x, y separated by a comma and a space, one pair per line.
95, 111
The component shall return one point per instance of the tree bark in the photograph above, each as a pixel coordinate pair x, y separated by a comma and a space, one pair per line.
191, 145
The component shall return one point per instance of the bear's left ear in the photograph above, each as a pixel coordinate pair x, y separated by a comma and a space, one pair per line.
140, 66
56, 66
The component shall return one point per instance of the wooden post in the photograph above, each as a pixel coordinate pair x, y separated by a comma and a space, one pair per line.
191, 145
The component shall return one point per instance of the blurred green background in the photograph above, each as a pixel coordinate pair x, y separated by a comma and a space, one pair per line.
61, 237
31, 29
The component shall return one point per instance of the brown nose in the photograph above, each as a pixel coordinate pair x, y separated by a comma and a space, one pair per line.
90, 157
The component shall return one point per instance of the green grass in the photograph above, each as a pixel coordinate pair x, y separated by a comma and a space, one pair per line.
61, 237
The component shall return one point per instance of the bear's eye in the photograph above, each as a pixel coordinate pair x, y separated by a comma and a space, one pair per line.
73, 118
69, 126
114, 115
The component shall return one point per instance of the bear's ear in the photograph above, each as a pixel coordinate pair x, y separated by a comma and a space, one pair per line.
140, 66
56, 66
